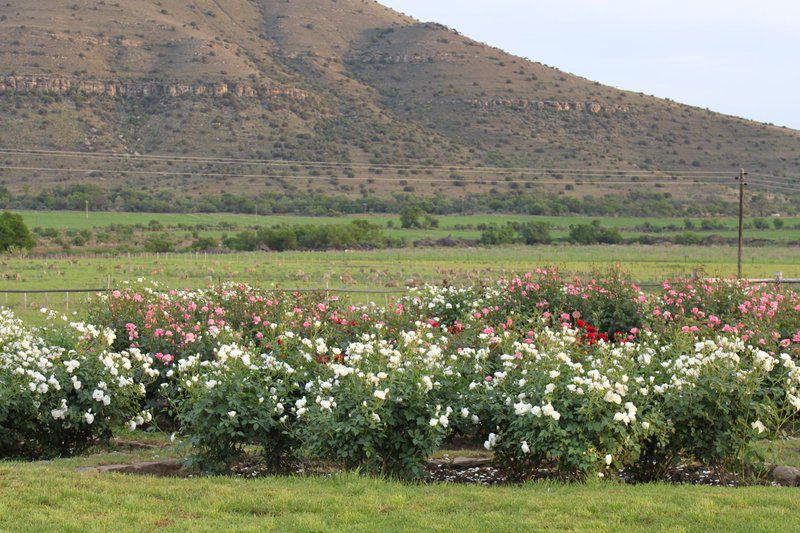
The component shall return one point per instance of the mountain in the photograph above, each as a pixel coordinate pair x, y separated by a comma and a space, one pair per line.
376, 94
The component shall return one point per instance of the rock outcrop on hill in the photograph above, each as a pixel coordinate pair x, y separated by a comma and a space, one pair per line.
27, 84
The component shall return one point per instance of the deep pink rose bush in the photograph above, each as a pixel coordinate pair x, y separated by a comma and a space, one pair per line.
761, 314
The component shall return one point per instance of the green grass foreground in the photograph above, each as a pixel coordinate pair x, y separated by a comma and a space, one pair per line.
49, 496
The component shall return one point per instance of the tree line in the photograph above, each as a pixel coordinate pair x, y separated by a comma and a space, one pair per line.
631, 203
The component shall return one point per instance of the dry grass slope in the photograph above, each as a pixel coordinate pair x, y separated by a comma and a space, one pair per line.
324, 80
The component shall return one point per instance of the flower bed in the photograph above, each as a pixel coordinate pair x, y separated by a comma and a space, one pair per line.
578, 377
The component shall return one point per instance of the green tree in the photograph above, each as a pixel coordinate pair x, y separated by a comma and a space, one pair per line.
409, 217
593, 233
158, 243
14, 233
5, 196
413, 217
760, 223
535, 233
494, 235
204, 244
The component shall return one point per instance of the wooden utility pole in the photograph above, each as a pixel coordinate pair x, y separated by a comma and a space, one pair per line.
741, 177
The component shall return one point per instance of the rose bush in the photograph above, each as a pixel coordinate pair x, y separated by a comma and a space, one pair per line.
569, 376
57, 400
238, 400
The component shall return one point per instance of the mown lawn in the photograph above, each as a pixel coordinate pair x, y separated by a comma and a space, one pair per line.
52, 496
47, 496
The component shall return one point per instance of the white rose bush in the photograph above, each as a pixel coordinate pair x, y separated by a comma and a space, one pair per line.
563, 377
584, 410
237, 400
59, 399
380, 409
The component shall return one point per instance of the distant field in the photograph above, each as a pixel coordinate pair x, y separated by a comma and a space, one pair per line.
79, 220
380, 269
449, 226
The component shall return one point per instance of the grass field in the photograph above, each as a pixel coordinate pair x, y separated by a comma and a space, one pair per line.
88, 501
79, 220
376, 270
388, 268
451, 225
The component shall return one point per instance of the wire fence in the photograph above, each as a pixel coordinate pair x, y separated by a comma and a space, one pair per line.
34, 298
777, 281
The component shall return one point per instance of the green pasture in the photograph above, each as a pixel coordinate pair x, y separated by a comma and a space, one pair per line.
449, 226
375, 270
390, 268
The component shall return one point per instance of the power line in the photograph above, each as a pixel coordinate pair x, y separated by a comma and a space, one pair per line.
532, 180
740, 179
789, 180
777, 182
753, 181
323, 164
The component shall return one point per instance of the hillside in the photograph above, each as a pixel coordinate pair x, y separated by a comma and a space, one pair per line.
346, 81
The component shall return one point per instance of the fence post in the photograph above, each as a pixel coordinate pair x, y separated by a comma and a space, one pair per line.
67, 304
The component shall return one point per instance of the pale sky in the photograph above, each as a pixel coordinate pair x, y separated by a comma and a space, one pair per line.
740, 57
